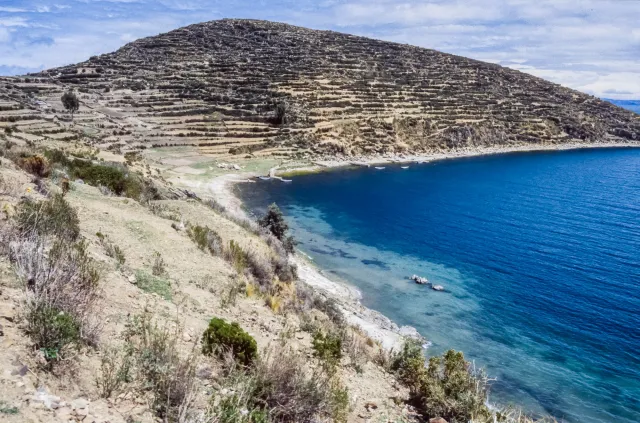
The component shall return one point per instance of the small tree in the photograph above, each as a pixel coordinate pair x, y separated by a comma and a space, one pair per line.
70, 102
274, 221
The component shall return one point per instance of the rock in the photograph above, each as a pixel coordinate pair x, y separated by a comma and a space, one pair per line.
437, 420
1, 331
236, 167
371, 406
132, 279
419, 280
42, 397
79, 404
437, 287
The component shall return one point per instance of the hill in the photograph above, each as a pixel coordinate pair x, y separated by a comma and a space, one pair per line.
234, 87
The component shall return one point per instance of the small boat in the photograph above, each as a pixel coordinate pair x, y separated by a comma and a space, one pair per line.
404, 167
264, 178
286, 180
379, 167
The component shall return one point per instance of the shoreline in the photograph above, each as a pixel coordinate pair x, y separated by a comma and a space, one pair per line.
375, 324
370, 160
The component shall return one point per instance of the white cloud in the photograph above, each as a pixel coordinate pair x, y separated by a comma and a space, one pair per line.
12, 9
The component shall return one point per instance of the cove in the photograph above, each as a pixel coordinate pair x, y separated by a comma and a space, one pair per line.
539, 254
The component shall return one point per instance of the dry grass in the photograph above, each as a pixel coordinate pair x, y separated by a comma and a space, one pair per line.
160, 368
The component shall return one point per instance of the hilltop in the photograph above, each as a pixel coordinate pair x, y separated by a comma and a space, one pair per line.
236, 87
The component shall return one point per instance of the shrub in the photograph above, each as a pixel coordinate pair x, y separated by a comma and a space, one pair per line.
159, 369
56, 156
158, 268
52, 330
111, 249
327, 347
274, 221
206, 238
281, 389
115, 369
221, 336
115, 179
236, 256
286, 271
260, 268
53, 217
36, 165
61, 288
154, 285
448, 387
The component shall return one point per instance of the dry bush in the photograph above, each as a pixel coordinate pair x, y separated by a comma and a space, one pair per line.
355, 346
158, 268
158, 367
280, 387
206, 238
36, 165
61, 289
52, 217
115, 371
111, 249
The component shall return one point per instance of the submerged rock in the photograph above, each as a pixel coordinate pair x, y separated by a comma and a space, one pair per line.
419, 280
437, 287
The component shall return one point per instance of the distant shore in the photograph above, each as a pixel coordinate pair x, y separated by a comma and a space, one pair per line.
372, 160
376, 325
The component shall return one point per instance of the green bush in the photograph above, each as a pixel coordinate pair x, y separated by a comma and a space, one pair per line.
221, 336
447, 387
52, 330
274, 221
117, 180
108, 176
327, 347
49, 217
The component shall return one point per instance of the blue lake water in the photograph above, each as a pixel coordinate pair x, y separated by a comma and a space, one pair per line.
633, 105
539, 254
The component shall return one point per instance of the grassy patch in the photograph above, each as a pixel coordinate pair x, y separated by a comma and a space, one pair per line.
154, 285
7, 409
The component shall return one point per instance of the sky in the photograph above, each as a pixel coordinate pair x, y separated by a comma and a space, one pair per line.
589, 45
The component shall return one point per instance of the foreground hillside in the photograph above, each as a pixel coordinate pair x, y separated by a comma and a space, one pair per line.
125, 299
235, 87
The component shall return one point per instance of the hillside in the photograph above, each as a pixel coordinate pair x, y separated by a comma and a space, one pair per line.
233, 87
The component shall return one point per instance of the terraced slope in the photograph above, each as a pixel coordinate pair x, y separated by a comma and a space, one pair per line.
237, 87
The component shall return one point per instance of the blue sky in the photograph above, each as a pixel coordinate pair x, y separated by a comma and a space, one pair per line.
589, 45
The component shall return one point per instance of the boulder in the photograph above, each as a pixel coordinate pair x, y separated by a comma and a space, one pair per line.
437, 420
437, 287
419, 280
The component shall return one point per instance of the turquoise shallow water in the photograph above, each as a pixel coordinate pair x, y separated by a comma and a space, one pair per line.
539, 254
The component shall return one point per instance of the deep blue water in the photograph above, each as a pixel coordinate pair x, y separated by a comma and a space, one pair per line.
539, 254
633, 105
